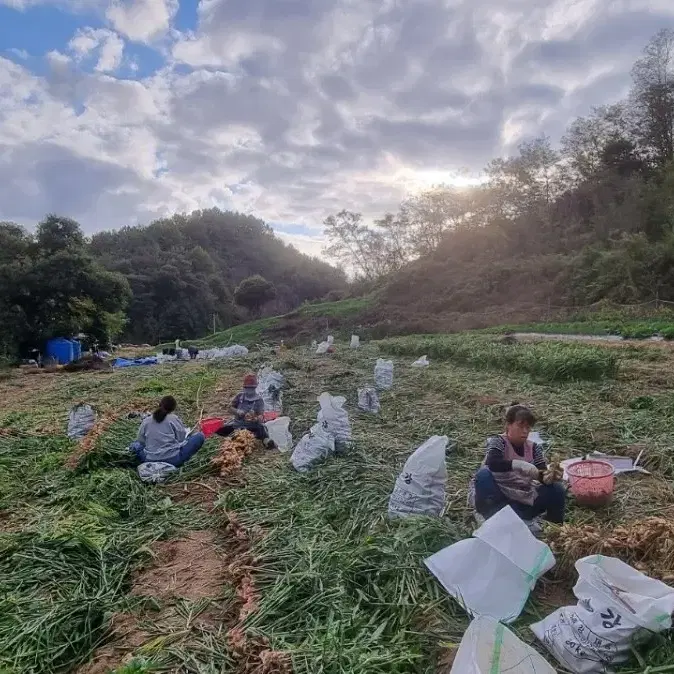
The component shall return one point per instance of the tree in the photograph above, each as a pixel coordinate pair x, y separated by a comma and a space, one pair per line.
653, 97
253, 293
53, 287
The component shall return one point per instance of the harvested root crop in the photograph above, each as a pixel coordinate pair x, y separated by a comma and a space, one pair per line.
647, 545
232, 452
554, 472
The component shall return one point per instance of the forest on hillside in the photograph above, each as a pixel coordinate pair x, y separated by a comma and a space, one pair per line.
176, 278
587, 221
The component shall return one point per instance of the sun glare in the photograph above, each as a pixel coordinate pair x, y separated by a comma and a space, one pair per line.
425, 179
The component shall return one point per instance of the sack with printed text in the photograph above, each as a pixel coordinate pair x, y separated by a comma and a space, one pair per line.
81, 420
314, 447
269, 385
420, 487
618, 608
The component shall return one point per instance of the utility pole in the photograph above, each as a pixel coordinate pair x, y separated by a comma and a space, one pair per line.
213, 323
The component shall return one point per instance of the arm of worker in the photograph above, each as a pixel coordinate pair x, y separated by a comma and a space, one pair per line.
179, 429
142, 438
258, 409
234, 406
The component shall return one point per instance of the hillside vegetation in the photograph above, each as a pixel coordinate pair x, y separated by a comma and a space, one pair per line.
550, 230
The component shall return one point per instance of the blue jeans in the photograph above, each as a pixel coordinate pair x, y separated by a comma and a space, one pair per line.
185, 453
489, 499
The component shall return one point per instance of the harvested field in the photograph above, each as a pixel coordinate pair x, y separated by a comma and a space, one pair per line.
271, 571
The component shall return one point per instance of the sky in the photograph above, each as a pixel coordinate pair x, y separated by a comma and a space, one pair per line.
117, 112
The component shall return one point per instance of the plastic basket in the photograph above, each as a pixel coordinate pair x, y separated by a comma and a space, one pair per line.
270, 416
210, 426
591, 482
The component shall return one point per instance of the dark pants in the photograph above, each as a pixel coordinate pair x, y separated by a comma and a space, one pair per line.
259, 430
489, 499
185, 453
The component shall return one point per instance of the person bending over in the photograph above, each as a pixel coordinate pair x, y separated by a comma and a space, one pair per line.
163, 437
247, 408
511, 473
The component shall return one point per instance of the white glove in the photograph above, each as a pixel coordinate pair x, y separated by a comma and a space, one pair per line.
526, 468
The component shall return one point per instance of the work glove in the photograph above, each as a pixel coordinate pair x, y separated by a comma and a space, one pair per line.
240, 414
526, 468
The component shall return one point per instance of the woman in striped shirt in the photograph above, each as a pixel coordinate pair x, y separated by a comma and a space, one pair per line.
512, 474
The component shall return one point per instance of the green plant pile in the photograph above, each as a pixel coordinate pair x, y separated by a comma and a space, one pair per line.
549, 361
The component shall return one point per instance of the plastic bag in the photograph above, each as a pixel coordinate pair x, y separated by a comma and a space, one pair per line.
279, 432
235, 351
493, 573
322, 348
488, 647
337, 419
355, 341
420, 487
155, 471
315, 446
81, 420
269, 388
330, 340
618, 607
421, 362
383, 374
368, 400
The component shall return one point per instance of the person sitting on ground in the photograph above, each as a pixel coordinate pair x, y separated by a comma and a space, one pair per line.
247, 407
511, 470
163, 437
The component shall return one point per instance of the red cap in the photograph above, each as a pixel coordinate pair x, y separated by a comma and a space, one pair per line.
250, 381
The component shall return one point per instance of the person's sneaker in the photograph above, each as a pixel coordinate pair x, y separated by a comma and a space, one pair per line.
535, 526
269, 444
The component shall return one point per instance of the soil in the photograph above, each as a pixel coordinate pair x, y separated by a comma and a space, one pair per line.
189, 567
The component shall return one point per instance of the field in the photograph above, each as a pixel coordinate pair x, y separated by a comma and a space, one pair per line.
269, 571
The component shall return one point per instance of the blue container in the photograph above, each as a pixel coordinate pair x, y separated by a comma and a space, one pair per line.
77, 349
60, 349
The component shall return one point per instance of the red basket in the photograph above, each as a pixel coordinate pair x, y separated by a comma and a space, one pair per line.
591, 482
269, 416
210, 426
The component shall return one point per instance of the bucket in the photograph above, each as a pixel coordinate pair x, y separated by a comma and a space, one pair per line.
210, 426
591, 482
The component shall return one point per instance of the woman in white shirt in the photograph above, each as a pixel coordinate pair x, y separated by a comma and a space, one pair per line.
163, 437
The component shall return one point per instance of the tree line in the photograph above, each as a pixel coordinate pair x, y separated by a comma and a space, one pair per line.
178, 277
591, 219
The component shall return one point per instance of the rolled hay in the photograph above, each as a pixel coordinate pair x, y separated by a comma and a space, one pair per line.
233, 450
646, 544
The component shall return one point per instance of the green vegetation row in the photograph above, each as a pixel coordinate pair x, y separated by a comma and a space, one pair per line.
546, 360
637, 329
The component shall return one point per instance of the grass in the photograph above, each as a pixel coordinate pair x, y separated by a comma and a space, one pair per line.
547, 361
340, 587
626, 328
255, 332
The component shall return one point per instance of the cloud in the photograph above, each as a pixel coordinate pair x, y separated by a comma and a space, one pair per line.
142, 20
108, 45
294, 109
19, 53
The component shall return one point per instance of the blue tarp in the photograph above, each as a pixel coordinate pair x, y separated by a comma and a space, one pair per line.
123, 362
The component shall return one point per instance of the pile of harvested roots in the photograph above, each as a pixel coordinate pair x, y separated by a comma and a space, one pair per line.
232, 452
647, 545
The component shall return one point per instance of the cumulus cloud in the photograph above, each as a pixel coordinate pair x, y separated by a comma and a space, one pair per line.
107, 44
141, 20
293, 109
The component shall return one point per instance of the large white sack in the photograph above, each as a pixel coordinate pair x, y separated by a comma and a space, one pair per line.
355, 341
383, 374
155, 471
618, 607
368, 400
488, 647
81, 420
421, 362
315, 446
279, 432
332, 412
235, 351
420, 487
269, 385
322, 348
493, 573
